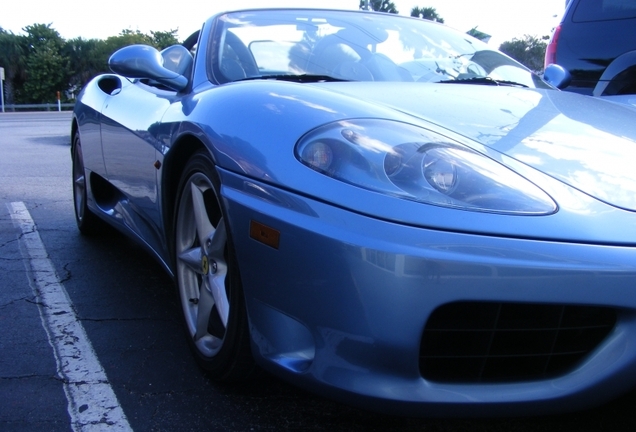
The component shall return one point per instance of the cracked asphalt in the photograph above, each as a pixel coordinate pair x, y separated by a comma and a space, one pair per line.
129, 310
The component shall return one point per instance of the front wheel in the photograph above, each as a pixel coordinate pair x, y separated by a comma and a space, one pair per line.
208, 280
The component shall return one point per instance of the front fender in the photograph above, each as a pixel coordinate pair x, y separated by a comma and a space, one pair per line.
248, 125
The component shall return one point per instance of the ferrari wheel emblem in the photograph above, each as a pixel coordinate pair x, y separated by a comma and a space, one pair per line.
205, 265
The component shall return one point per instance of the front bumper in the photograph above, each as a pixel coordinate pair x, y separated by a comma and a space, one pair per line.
340, 304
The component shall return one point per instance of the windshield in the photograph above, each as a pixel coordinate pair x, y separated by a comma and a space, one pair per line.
354, 46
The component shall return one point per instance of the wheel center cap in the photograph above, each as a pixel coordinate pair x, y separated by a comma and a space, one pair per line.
205, 265
208, 265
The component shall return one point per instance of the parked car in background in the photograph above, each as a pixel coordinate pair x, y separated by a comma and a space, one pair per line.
596, 43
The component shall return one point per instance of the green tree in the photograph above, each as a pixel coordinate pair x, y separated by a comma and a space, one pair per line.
380, 6
41, 63
427, 13
42, 35
87, 58
47, 74
90, 57
12, 59
164, 39
125, 38
46, 69
529, 51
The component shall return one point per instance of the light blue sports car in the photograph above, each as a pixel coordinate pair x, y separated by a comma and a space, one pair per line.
376, 208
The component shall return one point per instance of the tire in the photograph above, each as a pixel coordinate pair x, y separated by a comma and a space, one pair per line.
87, 222
207, 276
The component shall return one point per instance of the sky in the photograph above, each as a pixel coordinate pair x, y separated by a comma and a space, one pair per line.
502, 19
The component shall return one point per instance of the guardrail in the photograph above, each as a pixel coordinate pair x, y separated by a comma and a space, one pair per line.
39, 107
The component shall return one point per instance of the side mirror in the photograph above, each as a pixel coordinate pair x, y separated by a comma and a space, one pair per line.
143, 61
557, 76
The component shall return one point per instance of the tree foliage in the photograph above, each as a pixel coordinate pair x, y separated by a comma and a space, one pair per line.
164, 39
46, 74
380, 6
40, 63
12, 58
87, 58
46, 69
427, 13
529, 51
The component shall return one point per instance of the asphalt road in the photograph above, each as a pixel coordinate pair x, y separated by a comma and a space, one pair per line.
129, 312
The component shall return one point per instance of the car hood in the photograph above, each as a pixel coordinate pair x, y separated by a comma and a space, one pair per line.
586, 143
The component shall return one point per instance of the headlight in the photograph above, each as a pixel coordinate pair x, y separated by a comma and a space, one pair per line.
419, 165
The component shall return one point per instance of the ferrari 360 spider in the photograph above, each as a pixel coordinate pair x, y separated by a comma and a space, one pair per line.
376, 208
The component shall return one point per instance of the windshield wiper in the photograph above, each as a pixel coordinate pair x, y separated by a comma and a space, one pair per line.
302, 78
483, 81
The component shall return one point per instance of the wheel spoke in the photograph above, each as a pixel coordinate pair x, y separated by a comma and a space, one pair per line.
203, 223
219, 293
80, 181
216, 247
192, 259
80, 187
204, 308
216, 280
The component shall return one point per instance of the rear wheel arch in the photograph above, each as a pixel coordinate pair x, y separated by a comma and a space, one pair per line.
74, 129
619, 77
87, 221
623, 83
74, 133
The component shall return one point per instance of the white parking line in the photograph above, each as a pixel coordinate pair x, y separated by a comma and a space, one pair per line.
92, 404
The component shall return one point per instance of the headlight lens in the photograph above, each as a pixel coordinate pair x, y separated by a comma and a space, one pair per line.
419, 165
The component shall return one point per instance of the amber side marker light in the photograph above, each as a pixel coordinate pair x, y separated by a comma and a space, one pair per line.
264, 234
